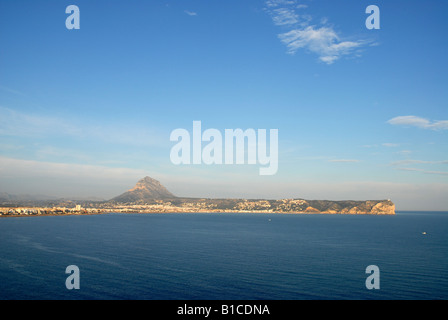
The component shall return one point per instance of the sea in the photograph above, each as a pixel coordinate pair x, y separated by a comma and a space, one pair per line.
225, 256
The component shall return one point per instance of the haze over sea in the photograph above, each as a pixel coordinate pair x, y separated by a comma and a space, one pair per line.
225, 256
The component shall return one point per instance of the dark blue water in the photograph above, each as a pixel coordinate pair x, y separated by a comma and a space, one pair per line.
225, 256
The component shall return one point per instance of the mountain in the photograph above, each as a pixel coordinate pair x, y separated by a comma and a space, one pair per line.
146, 189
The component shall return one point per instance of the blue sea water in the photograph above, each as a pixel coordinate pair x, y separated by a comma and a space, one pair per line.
225, 256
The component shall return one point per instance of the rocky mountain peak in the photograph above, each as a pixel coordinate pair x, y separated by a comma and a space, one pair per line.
146, 189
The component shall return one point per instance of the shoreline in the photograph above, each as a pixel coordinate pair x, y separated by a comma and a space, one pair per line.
203, 205
192, 212
51, 215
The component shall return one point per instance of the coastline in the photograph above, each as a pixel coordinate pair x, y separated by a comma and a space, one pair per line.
190, 212
186, 205
50, 215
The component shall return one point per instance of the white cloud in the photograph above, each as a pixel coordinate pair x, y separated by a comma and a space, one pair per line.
419, 122
190, 13
323, 41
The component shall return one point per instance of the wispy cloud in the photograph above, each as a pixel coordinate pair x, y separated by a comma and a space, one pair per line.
190, 13
322, 40
400, 166
9, 90
29, 125
386, 144
410, 161
344, 160
390, 145
419, 122
284, 16
7, 146
16, 123
424, 171
369, 146
65, 179
51, 152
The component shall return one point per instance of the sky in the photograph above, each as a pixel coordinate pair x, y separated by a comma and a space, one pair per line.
361, 113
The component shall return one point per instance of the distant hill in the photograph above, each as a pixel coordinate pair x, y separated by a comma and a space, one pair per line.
146, 189
4, 196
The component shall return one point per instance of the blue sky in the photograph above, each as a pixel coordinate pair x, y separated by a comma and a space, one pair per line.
361, 114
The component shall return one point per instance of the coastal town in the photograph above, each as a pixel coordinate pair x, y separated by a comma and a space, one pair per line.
160, 206
39, 211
